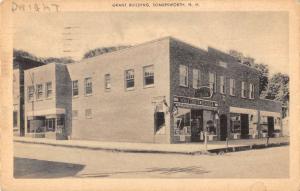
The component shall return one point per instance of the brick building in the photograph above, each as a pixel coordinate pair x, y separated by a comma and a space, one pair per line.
158, 91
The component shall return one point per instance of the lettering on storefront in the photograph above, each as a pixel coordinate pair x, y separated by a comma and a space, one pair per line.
192, 102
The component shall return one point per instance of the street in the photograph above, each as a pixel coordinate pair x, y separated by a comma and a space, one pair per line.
43, 161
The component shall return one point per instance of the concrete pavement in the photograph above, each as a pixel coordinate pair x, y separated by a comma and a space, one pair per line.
187, 148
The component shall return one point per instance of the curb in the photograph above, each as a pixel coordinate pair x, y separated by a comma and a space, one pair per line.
219, 151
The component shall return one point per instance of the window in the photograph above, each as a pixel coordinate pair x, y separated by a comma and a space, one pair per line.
107, 81
251, 92
235, 123
196, 78
75, 90
213, 81
48, 89
232, 87
183, 75
148, 75
244, 91
15, 119
30, 93
159, 118
88, 113
39, 91
88, 86
222, 85
50, 124
75, 114
129, 79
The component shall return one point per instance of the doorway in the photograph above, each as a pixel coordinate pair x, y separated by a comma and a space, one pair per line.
244, 126
223, 127
196, 125
270, 126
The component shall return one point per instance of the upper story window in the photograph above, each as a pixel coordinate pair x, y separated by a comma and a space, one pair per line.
183, 75
244, 91
129, 79
88, 86
213, 81
196, 78
48, 89
75, 90
148, 75
39, 91
232, 87
88, 113
30, 93
107, 82
222, 85
251, 92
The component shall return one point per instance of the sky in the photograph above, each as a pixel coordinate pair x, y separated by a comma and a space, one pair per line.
261, 35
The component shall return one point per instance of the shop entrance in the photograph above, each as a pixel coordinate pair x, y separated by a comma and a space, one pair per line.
270, 126
223, 127
196, 125
244, 126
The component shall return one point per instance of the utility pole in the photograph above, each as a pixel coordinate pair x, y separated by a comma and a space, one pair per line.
32, 102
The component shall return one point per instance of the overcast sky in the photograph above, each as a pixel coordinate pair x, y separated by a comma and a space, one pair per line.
261, 35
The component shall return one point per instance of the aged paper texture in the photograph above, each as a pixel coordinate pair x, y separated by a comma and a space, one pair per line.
149, 95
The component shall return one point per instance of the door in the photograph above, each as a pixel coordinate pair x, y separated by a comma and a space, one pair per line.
196, 125
223, 127
244, 126
270, 126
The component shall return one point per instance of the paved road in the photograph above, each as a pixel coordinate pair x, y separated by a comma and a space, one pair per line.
42, 161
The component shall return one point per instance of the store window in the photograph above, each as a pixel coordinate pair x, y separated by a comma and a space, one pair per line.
251, 92
183, 75
232, 87
148, 75
222, 84
129, 79
75, 90
39, 91
88, 86
48, 89
235, 123
15, 119
213, 81
183, 122
88, 113
264, 124
244, 91
107, 82
211, 128
50, 124
196, 78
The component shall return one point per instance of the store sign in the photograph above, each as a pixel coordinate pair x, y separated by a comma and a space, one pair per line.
187, 101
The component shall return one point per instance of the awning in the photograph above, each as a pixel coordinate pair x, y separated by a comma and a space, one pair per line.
54, 111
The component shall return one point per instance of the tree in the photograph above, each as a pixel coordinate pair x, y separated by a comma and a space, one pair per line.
22, 53
102, 50
263, 71
278, 88
63, 60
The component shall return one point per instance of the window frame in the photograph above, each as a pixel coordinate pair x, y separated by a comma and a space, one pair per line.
222, 84
243, 89
86, 83
251, 90
144, 76
186, 80
126, 80
214, 83
232, 87
196, 78
107, 82
39, 91
29, 93
47, 95
77, 81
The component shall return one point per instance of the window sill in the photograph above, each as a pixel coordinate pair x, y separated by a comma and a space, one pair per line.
74, 97
130, 89
149, 86
232, 95
107, 90
87, 95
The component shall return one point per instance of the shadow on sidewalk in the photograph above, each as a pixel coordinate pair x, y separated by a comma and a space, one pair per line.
33, 168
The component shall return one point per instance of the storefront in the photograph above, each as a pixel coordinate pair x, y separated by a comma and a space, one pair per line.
192, 117
270, 124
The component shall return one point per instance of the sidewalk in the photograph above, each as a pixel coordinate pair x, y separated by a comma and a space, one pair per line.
188, 148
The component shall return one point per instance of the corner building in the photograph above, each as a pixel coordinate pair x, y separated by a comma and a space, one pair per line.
151, 92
